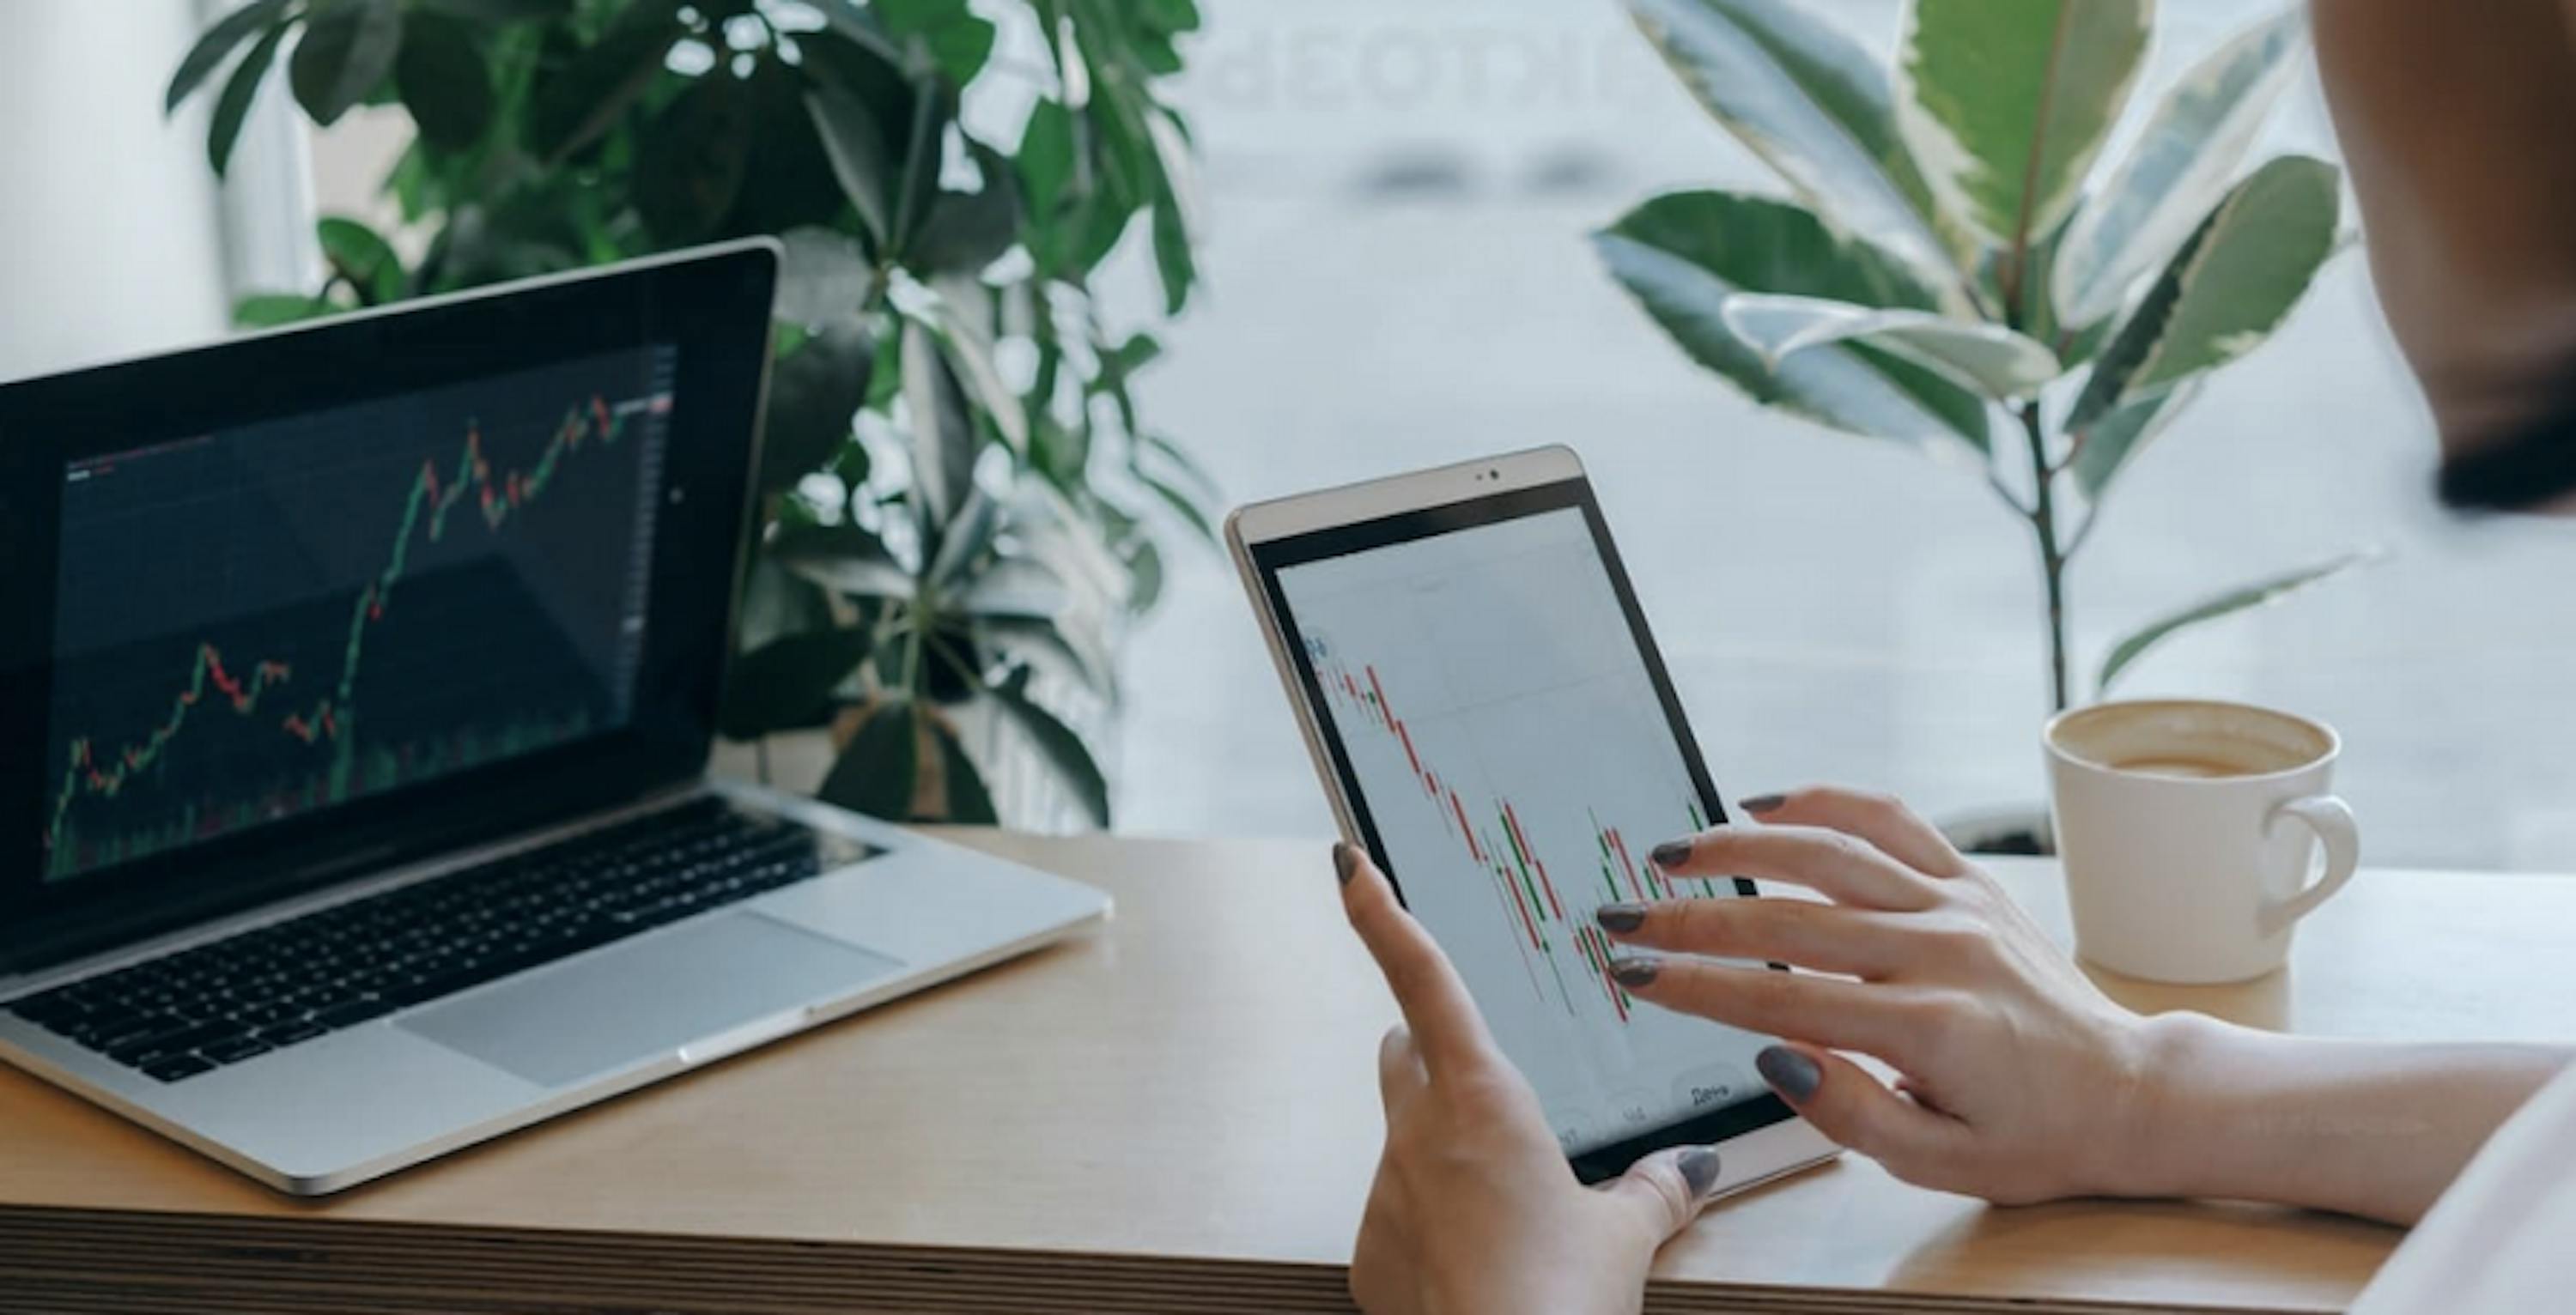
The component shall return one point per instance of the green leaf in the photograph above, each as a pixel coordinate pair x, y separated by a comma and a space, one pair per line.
814, 399
1814, 106
2004, 105
1127, 358
1170, 16
268, 310
1685, 255
1992, 359
856, 148
444, 81
1039, 641
588, 96
367, 261
1050, 160
2110, 443
2227, 289
1063, 750
1186, 507
970, 355
240, 91
866, 111
498, 12
348, 51
2258, 594
959, 42
942, 429
969, 802
1145, 576
855, 23
844, 559
923, 158
877, 773
689, 161
217, 45
1174, 262
967, 231
787, 180
2178, 169
777, 602
826, 278
1174, 207
791, 683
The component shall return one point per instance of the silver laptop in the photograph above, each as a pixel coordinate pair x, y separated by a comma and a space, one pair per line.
360, 682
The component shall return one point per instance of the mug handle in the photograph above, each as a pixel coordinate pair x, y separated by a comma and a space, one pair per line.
2331, 818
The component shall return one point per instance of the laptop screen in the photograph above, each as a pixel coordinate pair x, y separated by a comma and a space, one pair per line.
270, 619
305, 607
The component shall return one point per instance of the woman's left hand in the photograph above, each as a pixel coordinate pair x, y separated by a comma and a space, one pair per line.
1474, 1208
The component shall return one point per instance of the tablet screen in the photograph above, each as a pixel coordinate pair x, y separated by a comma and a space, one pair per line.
1514, 752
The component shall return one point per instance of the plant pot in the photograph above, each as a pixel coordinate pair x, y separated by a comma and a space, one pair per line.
2004, 829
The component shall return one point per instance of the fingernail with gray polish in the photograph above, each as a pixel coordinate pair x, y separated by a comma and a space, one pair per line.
1346, 861
1671, 854
1620, 917
1699, 1170
1635, 970
1791, 1074
1762, 803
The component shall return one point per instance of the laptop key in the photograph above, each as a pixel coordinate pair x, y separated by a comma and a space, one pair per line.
173, 1070
189, 1037
354, 1012
287, 1034
235, 1050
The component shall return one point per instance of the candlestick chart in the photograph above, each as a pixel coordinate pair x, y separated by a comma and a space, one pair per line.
287, 617
1497, 842
1516, 765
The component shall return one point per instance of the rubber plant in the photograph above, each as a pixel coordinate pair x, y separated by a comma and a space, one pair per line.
1950, 268
960, 500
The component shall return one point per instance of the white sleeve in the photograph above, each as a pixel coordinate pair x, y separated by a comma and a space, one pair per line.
2504, 1237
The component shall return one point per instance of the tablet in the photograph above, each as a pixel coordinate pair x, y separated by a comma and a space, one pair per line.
1492, 722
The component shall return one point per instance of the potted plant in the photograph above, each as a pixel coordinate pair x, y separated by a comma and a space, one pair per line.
1947, 269
960, 500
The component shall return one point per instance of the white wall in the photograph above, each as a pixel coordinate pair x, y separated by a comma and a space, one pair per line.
111, 240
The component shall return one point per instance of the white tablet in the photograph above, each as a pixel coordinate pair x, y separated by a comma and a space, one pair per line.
1494, 725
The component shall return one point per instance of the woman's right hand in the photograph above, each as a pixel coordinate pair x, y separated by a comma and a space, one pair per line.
2019, 1081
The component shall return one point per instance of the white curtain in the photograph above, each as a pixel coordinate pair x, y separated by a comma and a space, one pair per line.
114, 236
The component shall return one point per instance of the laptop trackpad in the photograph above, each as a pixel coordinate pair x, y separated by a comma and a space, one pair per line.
648, 997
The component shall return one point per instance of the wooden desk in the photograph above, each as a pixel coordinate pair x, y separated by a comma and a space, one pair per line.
1175, 1113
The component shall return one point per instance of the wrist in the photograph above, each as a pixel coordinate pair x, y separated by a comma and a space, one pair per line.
2179, 1098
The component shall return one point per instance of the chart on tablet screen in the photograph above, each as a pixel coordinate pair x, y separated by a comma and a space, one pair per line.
1518, 767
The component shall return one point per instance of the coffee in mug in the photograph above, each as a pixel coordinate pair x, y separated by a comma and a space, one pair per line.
2189, 829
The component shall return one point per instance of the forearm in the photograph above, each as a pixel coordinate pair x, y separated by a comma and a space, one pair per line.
2367, 1128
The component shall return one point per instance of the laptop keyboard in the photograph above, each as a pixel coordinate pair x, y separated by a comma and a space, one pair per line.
196, 1010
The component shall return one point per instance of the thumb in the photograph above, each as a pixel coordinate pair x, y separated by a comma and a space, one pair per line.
1665, 1190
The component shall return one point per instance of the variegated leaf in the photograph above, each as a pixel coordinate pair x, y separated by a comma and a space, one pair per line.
2227, 289
1993, 360
2181, 164
2261, 593
1685, 255
2004, 103
1814, 106
2108, 446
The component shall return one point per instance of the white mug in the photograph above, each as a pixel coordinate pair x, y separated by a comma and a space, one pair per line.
2188, 830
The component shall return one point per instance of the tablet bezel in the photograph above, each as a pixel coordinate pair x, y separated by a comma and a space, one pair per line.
1269, 537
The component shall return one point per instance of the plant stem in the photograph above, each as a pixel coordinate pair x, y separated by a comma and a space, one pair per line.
2052, 554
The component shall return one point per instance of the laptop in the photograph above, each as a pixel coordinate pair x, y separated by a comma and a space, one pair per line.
360, 682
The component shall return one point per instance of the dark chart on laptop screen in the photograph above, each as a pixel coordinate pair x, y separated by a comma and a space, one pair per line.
269, 620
